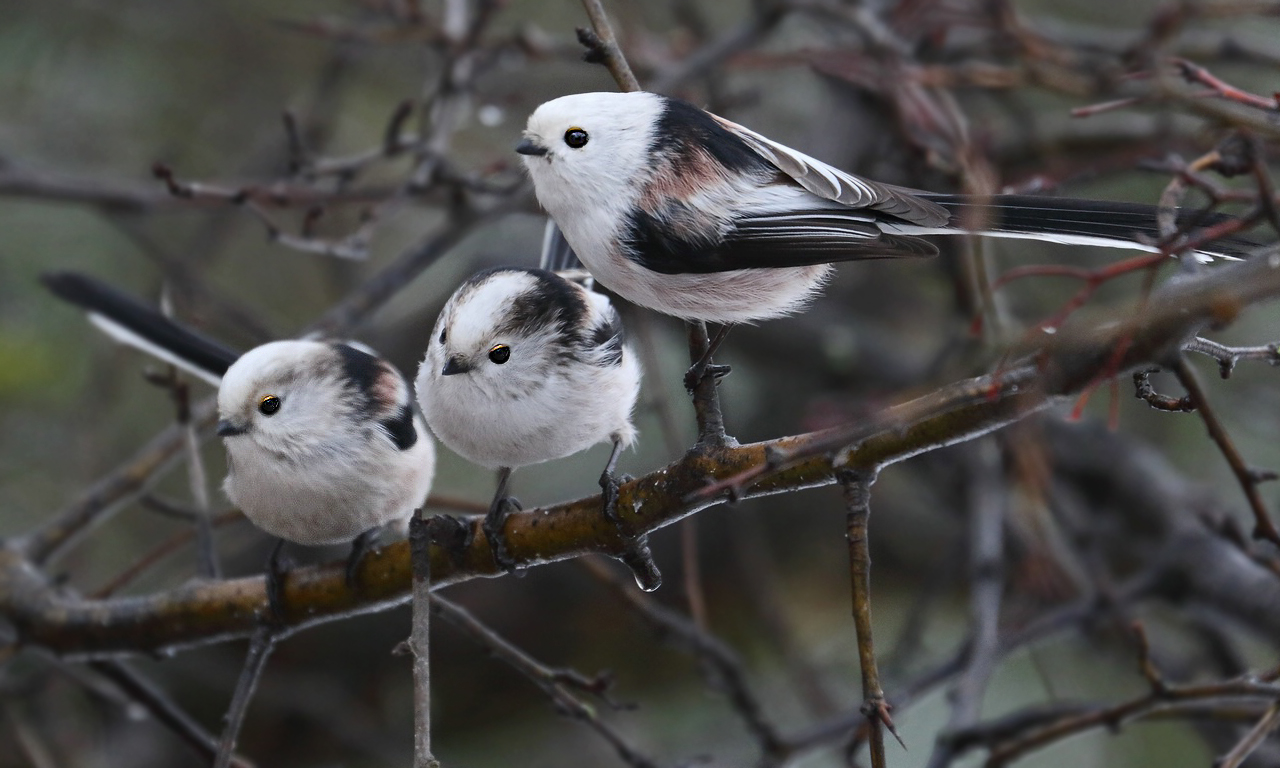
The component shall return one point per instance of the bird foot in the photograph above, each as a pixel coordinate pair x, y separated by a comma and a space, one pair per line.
494, 522
698, 371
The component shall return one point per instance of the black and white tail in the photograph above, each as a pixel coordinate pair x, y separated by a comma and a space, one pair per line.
1073, 222
132, 322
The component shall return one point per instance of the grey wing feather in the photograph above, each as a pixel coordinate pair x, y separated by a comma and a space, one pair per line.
834, 184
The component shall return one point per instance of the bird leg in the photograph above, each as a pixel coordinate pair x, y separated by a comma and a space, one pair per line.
609, 484
496, 520
277, 569
360, 546
704, 366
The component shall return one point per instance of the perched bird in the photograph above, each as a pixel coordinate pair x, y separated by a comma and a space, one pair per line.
689, 214
525, 366
323, 445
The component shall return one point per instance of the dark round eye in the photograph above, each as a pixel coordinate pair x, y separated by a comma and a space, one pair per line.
443, 331
268, 404
576, 138
500, 353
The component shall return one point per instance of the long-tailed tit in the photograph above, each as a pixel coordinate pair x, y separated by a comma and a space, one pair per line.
525, 366
323, 445
684, 212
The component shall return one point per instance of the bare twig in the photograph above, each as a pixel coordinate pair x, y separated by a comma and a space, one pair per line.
553, 682
1251, 740
1145, 392
1114, 716
875, 707
719, 662
32, 746
602, 46
261, 644
161, 706
986, 508
420, 641
1227, 357
1248, 477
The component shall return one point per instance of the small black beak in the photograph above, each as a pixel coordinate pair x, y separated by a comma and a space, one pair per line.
455, 365
227, 429
528, 146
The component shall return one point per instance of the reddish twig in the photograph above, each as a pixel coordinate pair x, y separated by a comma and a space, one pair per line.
1194, 73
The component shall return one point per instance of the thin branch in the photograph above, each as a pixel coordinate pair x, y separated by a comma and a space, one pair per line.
1145, 392
719, 662
875, 707
420, 641
986, 509
1227, 357
602, 47
1248, 477
553, 682
29, 742
163, 708
1116, 715
1251, 740
261, 644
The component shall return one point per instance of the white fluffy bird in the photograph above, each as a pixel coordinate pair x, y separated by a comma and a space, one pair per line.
684, 212
323, 446
523, 367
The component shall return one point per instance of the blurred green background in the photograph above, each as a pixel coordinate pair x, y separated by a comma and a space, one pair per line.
98, 92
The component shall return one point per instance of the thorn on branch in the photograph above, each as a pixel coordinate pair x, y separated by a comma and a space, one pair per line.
1144, 391
879, 710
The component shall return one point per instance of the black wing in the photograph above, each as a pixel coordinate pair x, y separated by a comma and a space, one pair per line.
790, 239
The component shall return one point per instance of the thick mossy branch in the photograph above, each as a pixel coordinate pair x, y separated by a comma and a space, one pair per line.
48, 616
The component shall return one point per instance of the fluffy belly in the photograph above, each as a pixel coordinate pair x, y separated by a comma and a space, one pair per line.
742, 296
306, 515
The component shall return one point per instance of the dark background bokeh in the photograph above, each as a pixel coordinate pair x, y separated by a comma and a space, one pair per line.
100, 92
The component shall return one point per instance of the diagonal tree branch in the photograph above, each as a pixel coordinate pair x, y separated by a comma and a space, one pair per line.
203, 613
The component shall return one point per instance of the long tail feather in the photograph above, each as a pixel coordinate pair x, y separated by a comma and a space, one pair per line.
1067, 220
130, 321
